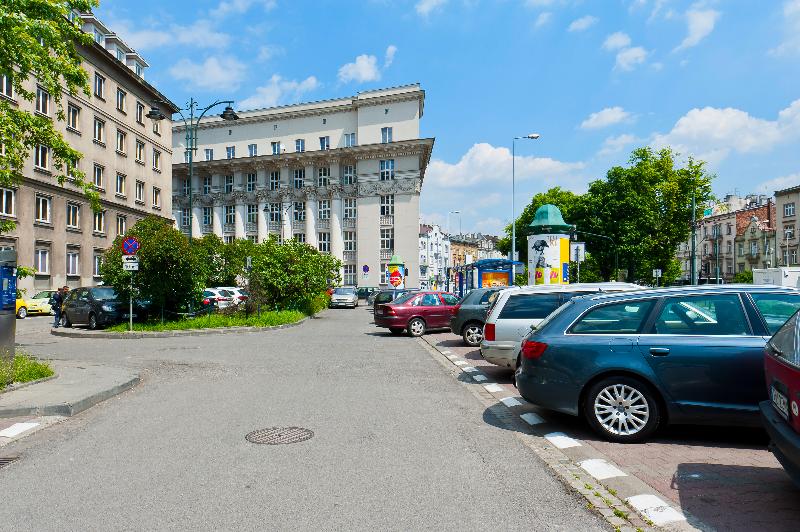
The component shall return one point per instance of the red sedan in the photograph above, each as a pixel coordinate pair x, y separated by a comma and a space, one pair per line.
417, 312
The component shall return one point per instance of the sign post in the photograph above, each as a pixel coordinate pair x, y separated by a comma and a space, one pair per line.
657, 275
577, 254
130, 263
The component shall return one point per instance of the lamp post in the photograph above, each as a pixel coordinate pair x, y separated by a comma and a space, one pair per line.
531, 136
191, 123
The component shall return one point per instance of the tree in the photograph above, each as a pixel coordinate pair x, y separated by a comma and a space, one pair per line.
38, 41
745, 277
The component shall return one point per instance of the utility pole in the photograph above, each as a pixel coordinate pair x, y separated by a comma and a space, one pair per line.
694, 238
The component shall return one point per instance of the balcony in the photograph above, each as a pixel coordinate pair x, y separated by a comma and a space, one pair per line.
228, 228
349, 256
387, 221
323, 224
274, 226
298, 225
386, 254
251, 227
349, 222
206, 229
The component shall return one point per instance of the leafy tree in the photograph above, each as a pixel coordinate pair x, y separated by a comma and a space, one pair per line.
38, 41
745, 277
222, 264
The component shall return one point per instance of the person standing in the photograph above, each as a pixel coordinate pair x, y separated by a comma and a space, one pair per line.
55, 304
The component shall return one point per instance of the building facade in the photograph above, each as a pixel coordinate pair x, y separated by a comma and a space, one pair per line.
342, 175
755, 246
434, 257
125, 155
786, 203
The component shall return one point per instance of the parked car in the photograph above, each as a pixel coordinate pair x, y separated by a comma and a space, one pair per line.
223, 298
470, 315
344, 296
365, 291
386, 296
416, 312
42, 300
95, 307
35, 305
629, 362
517, 308
238, 295
780, 414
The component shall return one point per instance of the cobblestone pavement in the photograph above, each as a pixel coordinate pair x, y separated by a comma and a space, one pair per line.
725, 478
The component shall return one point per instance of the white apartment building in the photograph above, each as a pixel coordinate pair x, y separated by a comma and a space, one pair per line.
125, 155
434, 257
342, 175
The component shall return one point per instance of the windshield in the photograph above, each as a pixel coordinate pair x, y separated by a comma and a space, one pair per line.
344, 291
43, 295
405, 297
542, 324
105, 293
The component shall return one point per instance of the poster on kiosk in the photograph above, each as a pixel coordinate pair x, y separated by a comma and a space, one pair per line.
548, 259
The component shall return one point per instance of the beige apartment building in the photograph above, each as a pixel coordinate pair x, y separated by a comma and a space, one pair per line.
125, 155
786, 204
342, 175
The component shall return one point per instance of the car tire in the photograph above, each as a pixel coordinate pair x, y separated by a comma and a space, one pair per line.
395, 331
22, 313
92, 321
622, 409
65, 321
472, 334
416, 327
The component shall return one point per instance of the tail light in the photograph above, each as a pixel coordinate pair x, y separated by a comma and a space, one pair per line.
456, 309
533, 350
389, 311
242, 298
206, 301
488, 332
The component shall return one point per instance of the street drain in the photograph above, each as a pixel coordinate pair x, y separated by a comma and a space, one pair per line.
279, 435
5, 460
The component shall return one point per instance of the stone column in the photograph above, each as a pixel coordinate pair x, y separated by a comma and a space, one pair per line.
311, 219
239, 218
263, 227
337, 242
217, 221
197, 220
286, 218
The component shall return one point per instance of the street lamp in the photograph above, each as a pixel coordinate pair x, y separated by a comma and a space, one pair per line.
532, 136
191, 123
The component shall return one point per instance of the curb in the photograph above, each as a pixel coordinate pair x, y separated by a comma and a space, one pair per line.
81, 333
18, 386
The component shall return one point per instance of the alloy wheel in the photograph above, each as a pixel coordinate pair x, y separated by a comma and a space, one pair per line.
92, 321
22, 313
473, 335
621, 409
416, 327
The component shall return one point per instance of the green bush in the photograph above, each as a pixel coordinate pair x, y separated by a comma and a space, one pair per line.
25, 369
219, 320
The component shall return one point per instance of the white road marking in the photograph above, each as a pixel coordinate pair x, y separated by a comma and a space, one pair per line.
469, 369
16, 429
451, 357
479, 378
561, 440
446, 352
655, 509
510, 401
461, 363
532, 419
600, 469
492, 387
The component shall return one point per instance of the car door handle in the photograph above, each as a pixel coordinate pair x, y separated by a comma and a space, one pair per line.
659, 351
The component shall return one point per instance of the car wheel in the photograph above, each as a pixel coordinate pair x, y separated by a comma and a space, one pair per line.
621, 409
473, 334
92, 321
395, 330
65, 321
22, 313
416, 327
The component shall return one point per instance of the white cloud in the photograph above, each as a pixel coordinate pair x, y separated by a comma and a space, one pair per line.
629, 58
583, 23
200, 34
227, 7
425, 7
268, 51
539, 3
605, 118
700, 24
791, 15
388, 59
543, 19
489, 226
279, 91
779, 183
616, 144
364, 68
223, 73
617, 40
712, 134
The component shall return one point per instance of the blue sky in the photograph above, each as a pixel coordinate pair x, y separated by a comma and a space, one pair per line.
719, 80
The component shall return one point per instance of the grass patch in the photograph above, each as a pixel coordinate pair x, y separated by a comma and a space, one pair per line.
621, 514
25, 369
217, 321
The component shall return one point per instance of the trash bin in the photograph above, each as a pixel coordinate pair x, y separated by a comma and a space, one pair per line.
8, 310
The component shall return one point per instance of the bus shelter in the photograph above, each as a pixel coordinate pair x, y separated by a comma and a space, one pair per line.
484, 273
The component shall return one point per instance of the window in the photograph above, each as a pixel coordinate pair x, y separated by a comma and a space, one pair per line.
251, 182
324, 242
230, 214
43, 208
252, 213
73, 117
299, 211
349, 140
789, 231
228, 184
156, 197
300, 237
41, 157
794, 256
276, 148
324, 209
140, 191
42, 101
776, 308
228, 239
702, 315
120, 188
387, 205
384, 274
299, 145
99, 131
387, 238
72, 263
324, 143
323, 176
387, 170
122, 224
252, 150
350, 208
139, 113
6, 86
99, 86
753, 248
626, 317
207, 184
73, 215
138, 69
730, 247
274, 180
530, 306
728, 229
788, 209
99, 222
139, 153
741, 249
186, 217
157, 127
208, 215
121, 96
348, 174
349, 274
186, 186
386, 135
121, 141
299, 177
209, 154
349, 240
156, 160
230, 152
41, 260
98, 176
274, 212
705, 249
98, 261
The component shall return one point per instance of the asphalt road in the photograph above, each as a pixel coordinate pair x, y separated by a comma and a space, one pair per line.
398, 445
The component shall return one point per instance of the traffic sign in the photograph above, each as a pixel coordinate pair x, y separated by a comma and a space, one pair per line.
130, 246
656, 273
130, 263
365, 269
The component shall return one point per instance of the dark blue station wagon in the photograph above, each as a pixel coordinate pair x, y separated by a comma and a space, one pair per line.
629, 362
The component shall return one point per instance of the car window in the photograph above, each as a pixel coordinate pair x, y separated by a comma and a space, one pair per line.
450, 299
784, 342
344, 291
714, 315
104, 293
383, 297
776, 308
430, 300
43, 295
626, 317
489, 296
404, 297
529, 306
206, 293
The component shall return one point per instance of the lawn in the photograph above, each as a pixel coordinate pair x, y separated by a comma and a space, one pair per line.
26, 369
216, 321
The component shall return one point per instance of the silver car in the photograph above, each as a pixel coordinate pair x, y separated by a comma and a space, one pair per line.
344, 296
516, 309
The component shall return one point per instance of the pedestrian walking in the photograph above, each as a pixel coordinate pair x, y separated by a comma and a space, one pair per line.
55, 304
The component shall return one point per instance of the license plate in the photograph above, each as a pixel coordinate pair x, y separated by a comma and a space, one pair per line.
780, 403
128, 315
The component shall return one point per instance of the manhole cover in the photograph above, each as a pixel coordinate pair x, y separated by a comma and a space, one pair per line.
279, 435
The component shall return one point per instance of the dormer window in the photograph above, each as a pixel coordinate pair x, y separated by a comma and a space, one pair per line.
98, 36
138, 69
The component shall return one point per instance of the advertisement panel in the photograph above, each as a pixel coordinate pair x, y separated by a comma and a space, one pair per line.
489, 279
548, 259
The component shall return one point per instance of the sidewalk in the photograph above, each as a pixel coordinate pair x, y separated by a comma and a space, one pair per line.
77, 387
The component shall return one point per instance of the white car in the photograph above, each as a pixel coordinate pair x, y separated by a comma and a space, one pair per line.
240, 295
344, 296
223, 298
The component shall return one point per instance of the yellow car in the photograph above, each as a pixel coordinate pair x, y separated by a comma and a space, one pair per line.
31, 306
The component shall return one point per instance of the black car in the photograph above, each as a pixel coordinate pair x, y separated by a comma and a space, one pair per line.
365, 291
98, 306
470, 315
387, 296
